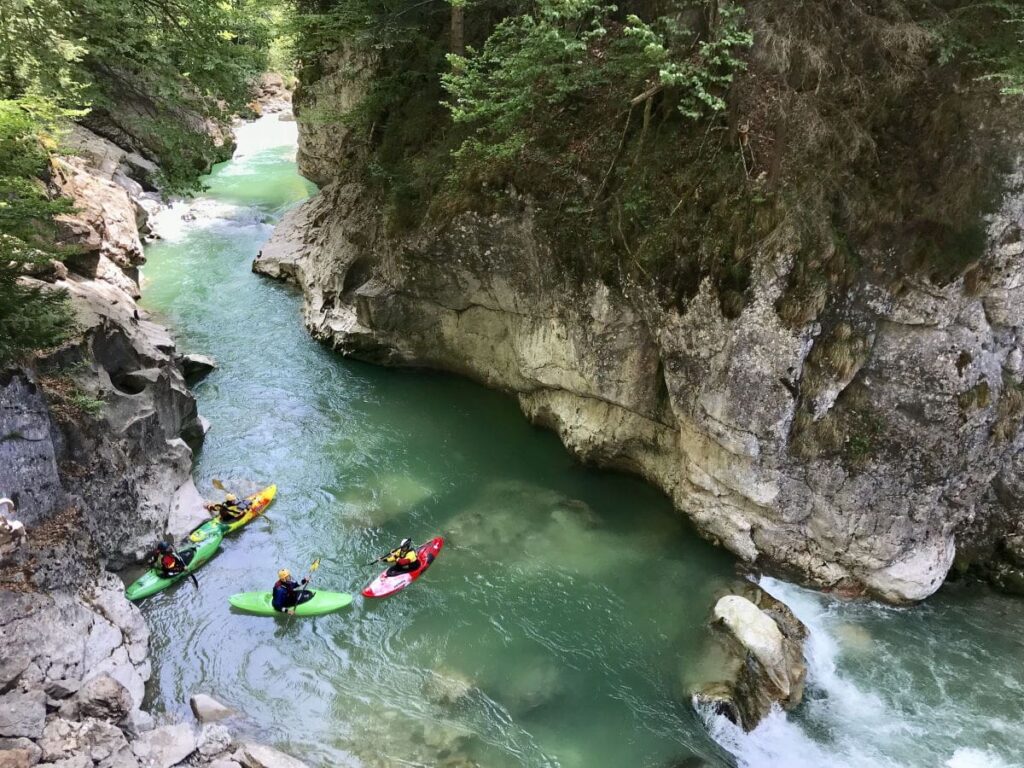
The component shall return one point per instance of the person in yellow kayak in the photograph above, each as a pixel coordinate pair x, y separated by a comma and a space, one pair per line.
404, 558
288, 593
230, 509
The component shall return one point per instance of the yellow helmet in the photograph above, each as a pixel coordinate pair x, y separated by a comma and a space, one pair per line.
231, 497
283, 574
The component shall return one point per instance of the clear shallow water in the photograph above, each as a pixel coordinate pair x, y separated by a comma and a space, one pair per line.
562, 621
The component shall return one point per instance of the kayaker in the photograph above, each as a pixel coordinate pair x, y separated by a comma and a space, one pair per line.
167, 561
287, 594
229, 509
404, 558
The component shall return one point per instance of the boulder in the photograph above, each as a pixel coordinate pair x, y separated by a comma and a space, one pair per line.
23, 714
187, 510
214, 739
261, 756
224, 763
165, 746
207, 709
75, 761
755, 660
196, 367
102, 697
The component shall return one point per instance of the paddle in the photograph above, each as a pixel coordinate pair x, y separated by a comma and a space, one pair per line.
309, 578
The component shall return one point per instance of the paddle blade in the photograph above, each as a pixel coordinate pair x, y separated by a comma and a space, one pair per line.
218, 485
315, 565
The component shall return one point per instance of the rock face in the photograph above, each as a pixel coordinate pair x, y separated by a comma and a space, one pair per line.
760, 659
93, 461
915, 387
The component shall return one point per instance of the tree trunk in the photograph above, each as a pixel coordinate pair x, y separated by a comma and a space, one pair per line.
458, 38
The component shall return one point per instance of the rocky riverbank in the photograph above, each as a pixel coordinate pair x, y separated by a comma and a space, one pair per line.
96, 442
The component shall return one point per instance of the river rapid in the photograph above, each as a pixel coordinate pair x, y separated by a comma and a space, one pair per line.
565, 619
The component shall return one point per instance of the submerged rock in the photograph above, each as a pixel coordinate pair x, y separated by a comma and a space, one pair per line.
252, 755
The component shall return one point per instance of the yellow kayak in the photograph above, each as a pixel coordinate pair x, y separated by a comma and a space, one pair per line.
258, 504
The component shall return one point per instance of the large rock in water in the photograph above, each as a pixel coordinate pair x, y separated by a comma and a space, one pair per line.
207, 709
253, 755
761, 662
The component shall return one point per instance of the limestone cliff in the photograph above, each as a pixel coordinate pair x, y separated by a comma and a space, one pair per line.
855, 430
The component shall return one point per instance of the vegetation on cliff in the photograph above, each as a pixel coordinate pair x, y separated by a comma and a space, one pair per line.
153, 72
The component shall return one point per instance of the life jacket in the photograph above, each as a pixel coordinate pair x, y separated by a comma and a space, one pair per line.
282, 591
409, 557
170, 562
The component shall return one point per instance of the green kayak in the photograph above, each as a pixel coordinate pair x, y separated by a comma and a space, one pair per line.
319, 604
152, 582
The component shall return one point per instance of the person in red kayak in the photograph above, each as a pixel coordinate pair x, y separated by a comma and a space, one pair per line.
287, 593
404, 558
167, 561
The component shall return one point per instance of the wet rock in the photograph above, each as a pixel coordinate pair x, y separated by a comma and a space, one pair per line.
207, 709
252, 755
213, 740
761, 662
531, 687
102, 697
165, 746
197, 367
22, 714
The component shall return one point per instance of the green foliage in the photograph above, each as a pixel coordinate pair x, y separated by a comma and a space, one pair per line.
989, 35
30, 316
547, 65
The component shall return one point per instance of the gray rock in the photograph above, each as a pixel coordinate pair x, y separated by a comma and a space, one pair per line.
102, 697
23, 714
214, 739
11, 668
253, 755
165, 746
196, 366
187, 511
61, 689
207, 709
102, 742
224, 763
75, 761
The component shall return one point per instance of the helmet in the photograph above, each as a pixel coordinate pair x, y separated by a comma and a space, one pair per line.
231, 497
163, 546
283, 574
406, 544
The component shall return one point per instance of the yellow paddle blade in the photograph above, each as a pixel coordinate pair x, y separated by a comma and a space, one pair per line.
315, 565
218, 484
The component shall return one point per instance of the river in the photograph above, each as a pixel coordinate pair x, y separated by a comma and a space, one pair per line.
562, 622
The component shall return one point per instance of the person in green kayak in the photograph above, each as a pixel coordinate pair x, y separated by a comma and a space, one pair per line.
230, 509
288, 593
403, 558
167, 561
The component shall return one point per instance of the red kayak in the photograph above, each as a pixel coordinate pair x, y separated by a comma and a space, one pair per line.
385, 586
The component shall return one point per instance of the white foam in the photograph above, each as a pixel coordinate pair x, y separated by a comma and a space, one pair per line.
846, 723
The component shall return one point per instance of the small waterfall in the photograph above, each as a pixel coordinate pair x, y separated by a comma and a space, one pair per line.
865, 711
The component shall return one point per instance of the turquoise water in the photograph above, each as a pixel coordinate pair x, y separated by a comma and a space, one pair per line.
563, 621
555, 627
